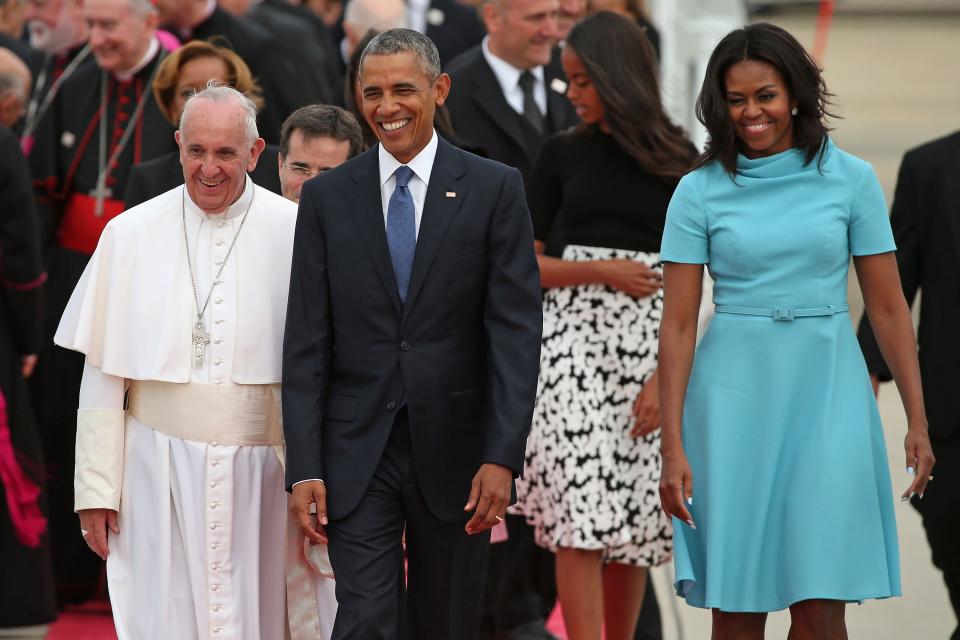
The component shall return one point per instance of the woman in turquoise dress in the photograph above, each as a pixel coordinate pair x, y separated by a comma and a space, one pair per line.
774, 464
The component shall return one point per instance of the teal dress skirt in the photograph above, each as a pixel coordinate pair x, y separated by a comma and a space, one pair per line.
791, 487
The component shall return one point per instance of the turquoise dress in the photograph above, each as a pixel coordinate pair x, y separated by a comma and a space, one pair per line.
791, 487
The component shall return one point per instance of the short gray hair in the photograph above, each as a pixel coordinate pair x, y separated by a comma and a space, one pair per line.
221, 93
396, 41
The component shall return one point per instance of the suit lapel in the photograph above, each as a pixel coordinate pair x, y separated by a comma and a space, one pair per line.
489, 98
368, 216
438, 212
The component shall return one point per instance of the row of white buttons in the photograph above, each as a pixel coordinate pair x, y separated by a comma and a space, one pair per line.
218, 497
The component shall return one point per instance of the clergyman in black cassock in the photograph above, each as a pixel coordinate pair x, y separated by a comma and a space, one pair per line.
26, 590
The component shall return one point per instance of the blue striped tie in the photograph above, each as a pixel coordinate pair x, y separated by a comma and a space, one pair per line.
402, 230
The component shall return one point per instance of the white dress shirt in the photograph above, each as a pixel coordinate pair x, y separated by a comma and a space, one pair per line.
509, 78
422, 166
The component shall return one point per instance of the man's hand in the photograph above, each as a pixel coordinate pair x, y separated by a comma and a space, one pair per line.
95, 523
304, 494
489, 495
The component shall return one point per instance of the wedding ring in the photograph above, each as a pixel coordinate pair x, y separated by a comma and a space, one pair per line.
83, 532
930, 479
499, 518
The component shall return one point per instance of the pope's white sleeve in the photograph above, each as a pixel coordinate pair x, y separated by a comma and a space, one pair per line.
100, 426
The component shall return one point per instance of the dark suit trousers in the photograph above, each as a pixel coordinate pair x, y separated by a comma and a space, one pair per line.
941, 517
445, 571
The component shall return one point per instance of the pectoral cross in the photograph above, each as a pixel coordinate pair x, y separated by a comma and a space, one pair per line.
200, 341
101, 193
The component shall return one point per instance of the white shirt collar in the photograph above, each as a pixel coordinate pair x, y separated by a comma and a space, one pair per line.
507, 75
417, 14
422, 163
152, 49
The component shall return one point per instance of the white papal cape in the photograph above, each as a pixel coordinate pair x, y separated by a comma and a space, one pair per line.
193, 461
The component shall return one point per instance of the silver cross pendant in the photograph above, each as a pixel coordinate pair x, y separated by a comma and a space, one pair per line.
200, 341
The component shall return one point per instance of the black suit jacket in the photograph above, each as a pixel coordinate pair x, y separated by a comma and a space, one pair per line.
926, 225
153, 177
483, 119
462, 353
453, 27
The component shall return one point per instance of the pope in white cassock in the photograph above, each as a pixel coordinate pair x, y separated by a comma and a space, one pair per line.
182, 306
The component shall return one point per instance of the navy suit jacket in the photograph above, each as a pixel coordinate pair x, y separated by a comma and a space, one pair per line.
462, 354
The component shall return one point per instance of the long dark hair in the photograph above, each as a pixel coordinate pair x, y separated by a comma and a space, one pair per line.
768, 43
622, 66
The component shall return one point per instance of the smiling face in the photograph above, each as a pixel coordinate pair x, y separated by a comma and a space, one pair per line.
308, 157
399, 102
522, 32
759, 105
216, 153
193, 77
119, 35
581, 92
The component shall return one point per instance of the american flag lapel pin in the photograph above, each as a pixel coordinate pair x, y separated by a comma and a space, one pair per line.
451, 194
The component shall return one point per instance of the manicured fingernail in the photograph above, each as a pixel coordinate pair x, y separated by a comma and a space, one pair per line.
690, 501
910, 470
904, 498
692, 526
921, 496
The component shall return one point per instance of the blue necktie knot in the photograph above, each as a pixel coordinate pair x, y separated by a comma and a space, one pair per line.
403, 175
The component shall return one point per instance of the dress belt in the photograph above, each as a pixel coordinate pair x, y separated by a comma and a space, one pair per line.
785, 314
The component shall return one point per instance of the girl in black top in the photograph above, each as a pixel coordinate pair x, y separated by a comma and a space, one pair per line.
598, 194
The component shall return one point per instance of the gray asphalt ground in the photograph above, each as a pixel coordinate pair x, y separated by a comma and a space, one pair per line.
893, 68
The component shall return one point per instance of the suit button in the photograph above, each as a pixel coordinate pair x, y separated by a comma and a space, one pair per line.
404, 345
391, 405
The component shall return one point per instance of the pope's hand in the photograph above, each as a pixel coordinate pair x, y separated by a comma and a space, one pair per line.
489, 495
95, 522
304, 494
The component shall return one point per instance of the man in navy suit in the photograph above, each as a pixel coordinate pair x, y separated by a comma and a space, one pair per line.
410, 358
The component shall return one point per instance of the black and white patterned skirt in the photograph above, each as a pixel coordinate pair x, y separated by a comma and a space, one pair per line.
587, 483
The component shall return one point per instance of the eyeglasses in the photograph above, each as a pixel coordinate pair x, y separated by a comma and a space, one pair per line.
302, 171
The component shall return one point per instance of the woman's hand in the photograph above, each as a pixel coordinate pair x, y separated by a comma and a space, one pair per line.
676, 486
920, 460
646, 408
631, 277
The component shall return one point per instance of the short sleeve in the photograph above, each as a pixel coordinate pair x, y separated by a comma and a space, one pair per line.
869, 231
685, 236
